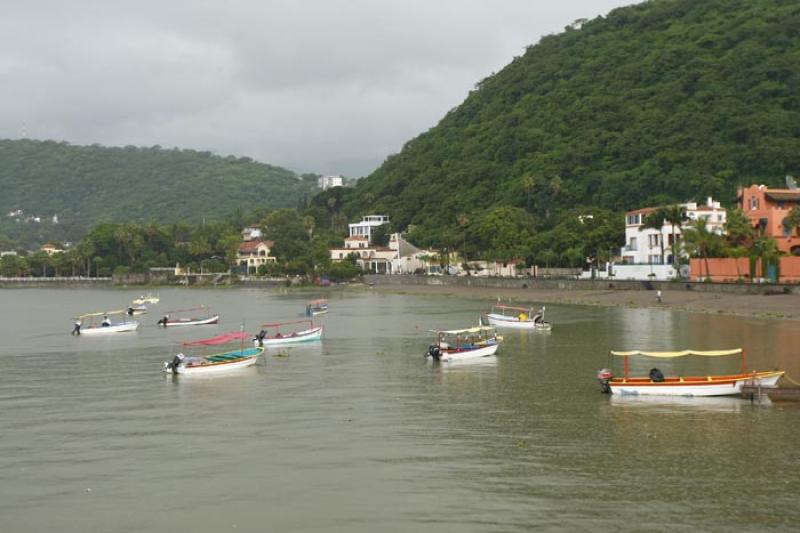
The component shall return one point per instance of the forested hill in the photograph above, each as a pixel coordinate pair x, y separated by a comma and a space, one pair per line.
669, 100
85, 185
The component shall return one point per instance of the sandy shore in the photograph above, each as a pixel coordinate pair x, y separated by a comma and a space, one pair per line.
779, 306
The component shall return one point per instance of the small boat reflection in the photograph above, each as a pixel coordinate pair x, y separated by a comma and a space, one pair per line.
458, 364
729, 404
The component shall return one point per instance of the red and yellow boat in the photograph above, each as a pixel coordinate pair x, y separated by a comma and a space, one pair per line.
658, 384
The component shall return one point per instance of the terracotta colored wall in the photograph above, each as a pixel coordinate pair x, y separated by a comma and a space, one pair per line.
790, 269
724, 269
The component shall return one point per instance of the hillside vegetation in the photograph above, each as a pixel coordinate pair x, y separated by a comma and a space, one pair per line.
665, 101
88, 185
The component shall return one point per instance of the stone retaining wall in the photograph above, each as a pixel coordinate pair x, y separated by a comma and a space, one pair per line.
51, 283
583, 284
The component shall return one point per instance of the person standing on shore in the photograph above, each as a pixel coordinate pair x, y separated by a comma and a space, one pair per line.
77, 329
658, 296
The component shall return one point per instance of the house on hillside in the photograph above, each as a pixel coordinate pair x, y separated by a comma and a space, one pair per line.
326, 182
253, 254
505, 269
251, 233
653, 246
400, 257
409, 259
50, 249
766, 208
367, 225
373, 259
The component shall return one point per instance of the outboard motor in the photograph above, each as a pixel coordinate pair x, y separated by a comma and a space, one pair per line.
604, 375
656, 375
434, 352
259, 338
174, 364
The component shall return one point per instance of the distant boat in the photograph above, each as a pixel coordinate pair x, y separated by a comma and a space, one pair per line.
277, 334
149, 299
464, 344
658, 384
316, 307
507, 316
135, 310
92, 324
195, 316
216, 363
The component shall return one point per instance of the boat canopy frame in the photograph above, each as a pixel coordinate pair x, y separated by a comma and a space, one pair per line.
277, 325
671, 355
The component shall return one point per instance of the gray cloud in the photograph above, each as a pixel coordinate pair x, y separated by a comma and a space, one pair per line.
317, 86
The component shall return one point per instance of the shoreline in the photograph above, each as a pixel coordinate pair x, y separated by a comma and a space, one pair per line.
772, 307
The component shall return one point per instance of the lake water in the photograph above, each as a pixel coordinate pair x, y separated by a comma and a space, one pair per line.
360, 433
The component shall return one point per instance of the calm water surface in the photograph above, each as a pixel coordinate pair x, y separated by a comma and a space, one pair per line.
359, 433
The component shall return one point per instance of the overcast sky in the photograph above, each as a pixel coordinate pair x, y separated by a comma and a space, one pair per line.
325, 86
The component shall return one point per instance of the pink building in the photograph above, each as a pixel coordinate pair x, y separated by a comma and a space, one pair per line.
766, 208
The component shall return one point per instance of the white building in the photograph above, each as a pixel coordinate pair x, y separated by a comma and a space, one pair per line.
367, 224
253, 254
654, 246
251, 233
326, 182
374, 259
400, 257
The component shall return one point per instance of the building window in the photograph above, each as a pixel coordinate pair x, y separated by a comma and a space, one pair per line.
632, 244
655, 259
753, 203
654, 240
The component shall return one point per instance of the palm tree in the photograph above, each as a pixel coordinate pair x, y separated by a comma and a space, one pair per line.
655, 220
765, 248
700, 242
463, 220
308, 224
86, 250
738, 231
674, 215
528, 185
792, 220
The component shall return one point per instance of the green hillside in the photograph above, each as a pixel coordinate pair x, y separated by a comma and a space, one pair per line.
86, 185
669, 100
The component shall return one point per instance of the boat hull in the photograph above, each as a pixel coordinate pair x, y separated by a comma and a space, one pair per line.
116, 328
249, 358
453, 356
515, 323
694, 386
192, 322
309, 335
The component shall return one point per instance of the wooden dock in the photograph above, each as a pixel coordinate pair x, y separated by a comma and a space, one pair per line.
753, 392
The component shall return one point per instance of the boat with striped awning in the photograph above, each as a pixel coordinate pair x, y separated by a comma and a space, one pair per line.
218, 362
464, 344
656, 383
279, 334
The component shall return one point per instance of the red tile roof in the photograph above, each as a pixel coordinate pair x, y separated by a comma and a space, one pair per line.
642, 211
252, 246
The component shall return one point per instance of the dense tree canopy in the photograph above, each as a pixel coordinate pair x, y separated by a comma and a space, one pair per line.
655, 104
87, 185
